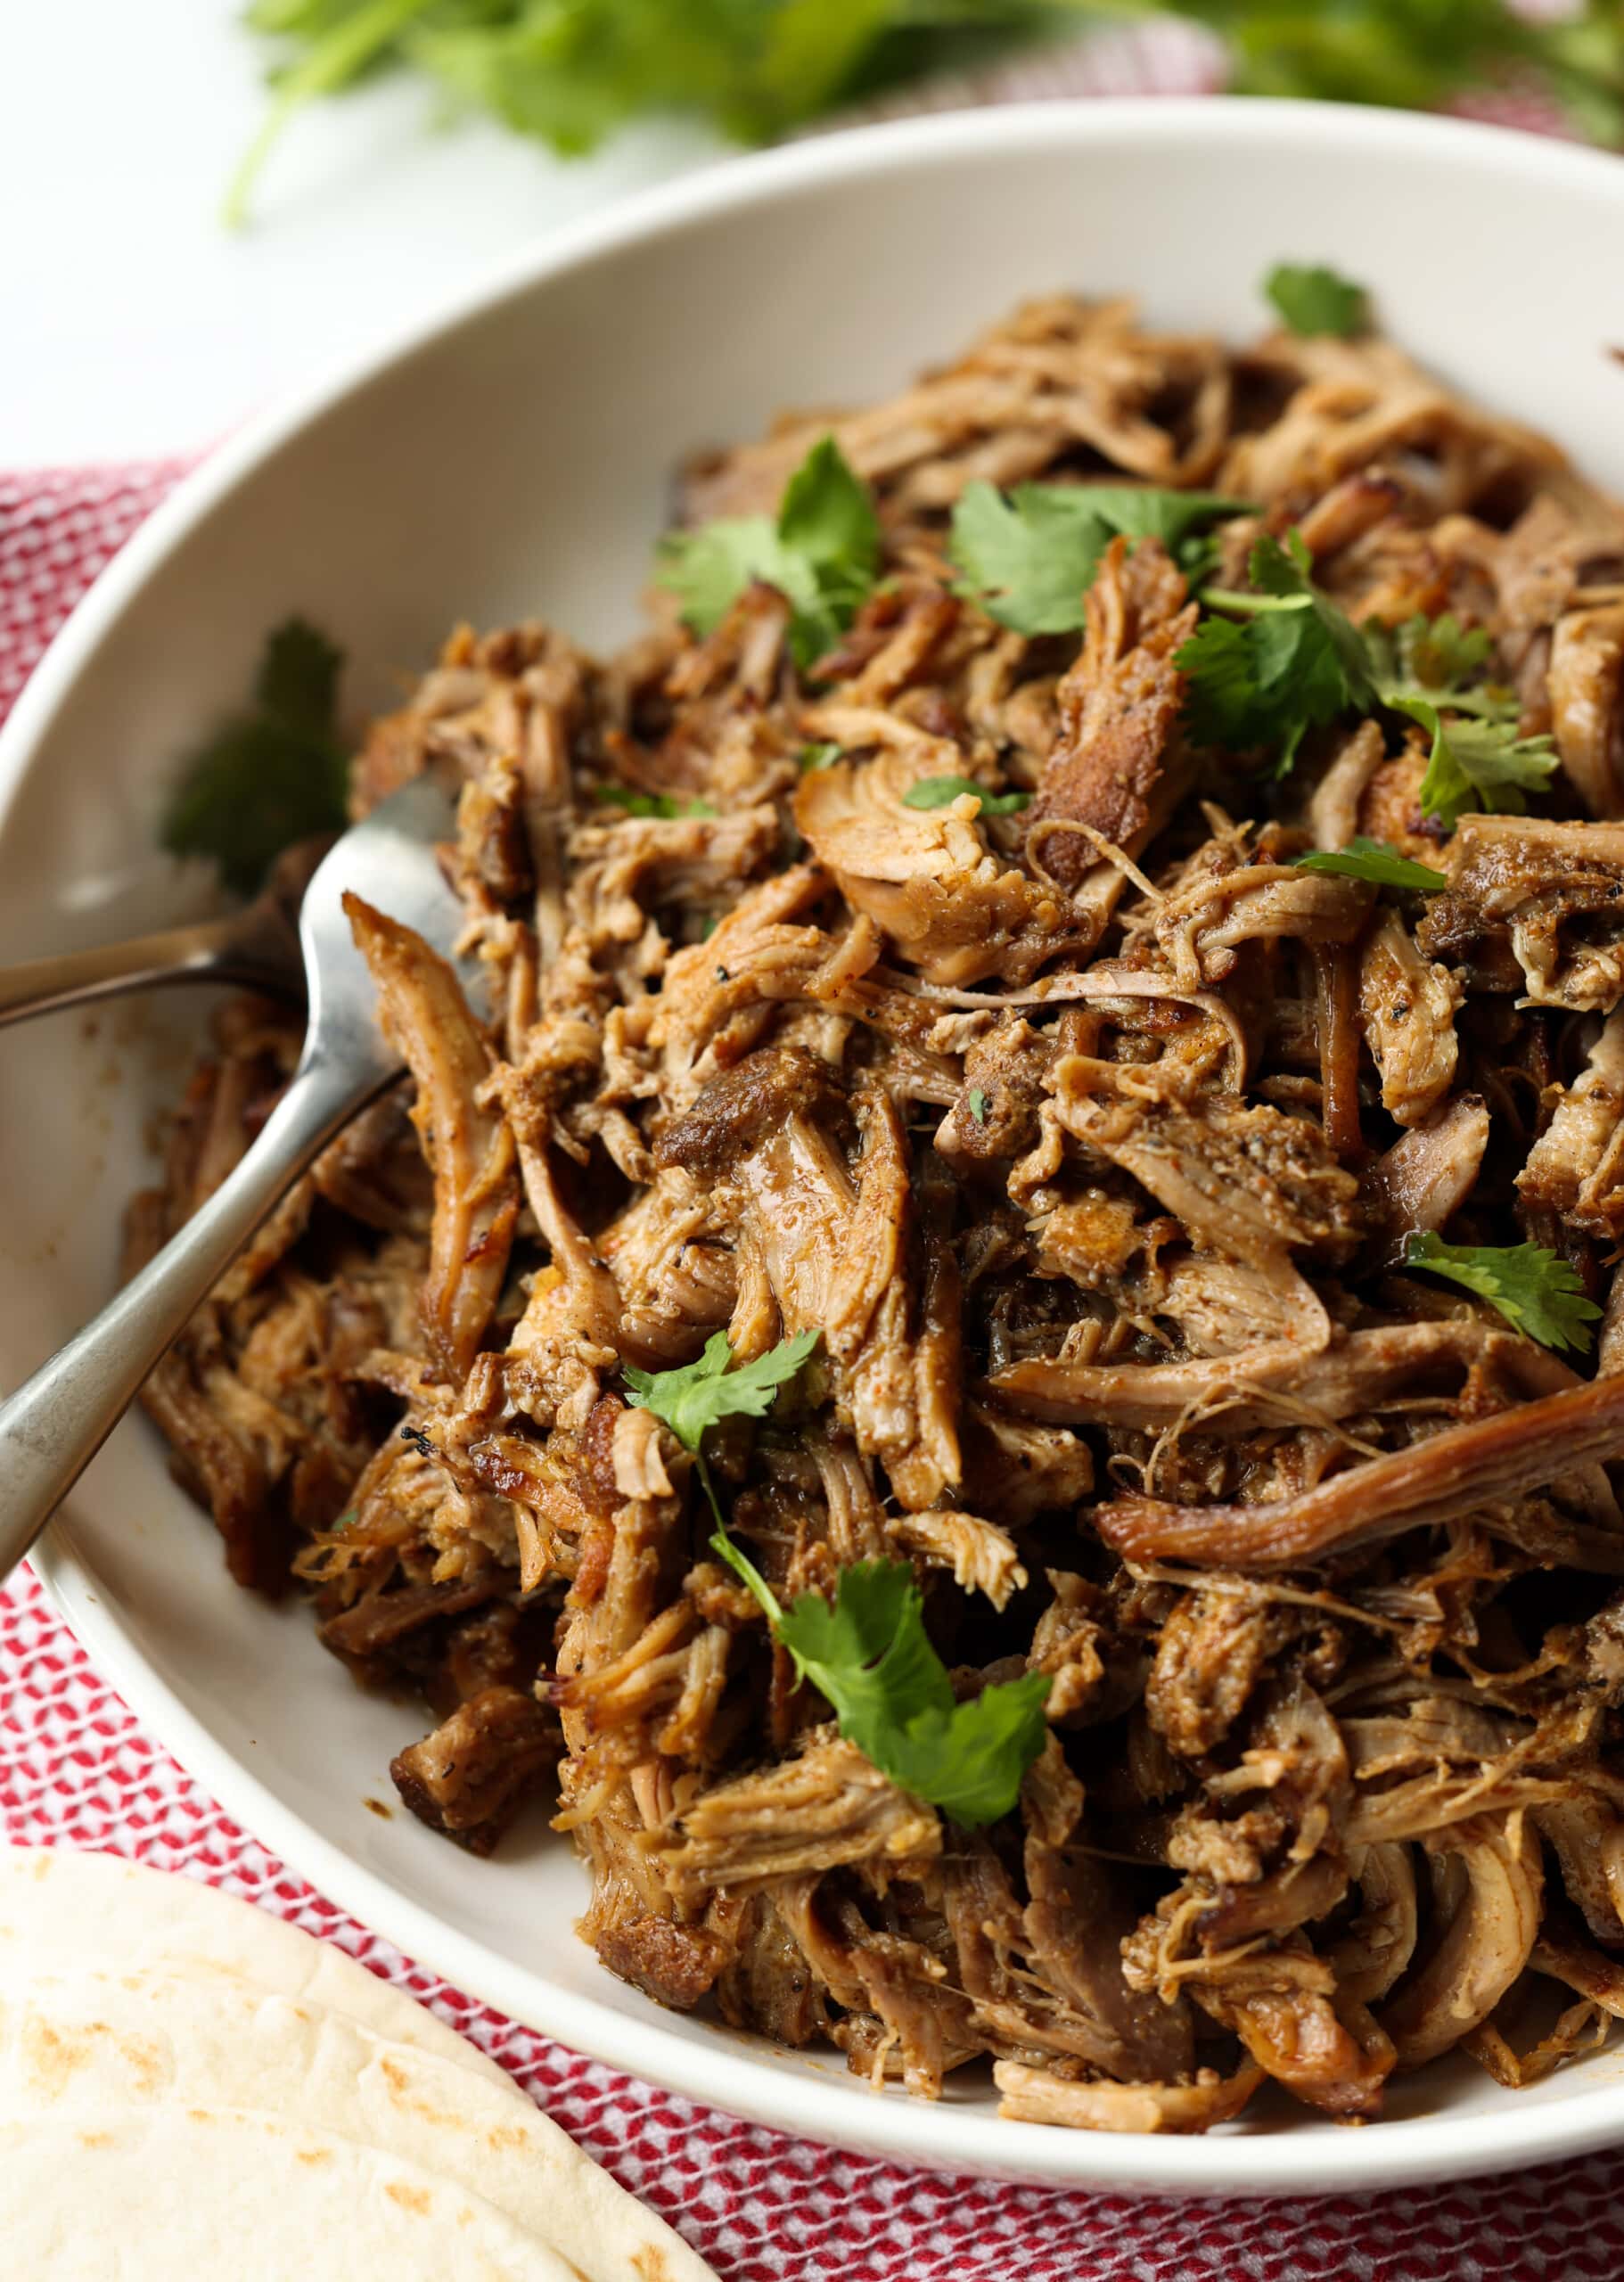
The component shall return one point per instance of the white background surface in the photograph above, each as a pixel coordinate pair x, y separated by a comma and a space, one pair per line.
133, 324
131, 321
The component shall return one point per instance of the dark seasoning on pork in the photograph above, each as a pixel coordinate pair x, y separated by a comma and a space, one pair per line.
1093, 1137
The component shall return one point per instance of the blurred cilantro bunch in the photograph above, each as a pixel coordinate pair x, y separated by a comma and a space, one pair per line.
570, 71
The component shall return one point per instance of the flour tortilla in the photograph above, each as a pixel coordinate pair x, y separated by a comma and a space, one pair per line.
61, 1909
90, 2043
162, 2193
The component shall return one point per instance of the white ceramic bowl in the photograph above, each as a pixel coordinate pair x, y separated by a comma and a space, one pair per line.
511, 457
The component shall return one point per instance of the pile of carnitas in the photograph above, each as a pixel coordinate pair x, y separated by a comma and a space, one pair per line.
998, 1352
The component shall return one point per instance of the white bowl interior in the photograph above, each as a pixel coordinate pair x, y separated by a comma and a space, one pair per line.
514, 462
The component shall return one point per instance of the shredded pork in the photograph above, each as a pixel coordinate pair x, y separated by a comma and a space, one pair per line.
1090, 1139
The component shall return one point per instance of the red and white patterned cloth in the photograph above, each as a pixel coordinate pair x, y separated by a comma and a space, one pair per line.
76, 1769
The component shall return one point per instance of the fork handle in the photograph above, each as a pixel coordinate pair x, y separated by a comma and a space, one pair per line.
56, 1423
105, 971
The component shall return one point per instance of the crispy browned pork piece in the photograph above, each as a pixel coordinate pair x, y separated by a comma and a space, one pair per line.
948, 998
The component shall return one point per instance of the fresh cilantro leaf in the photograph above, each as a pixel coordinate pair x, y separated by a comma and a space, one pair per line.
1375, 861
1478, 764
1432, 669
1417, 53
1285, 574
941, 791
1294, 662
1227, 700
1538, 1292
1313, 300
698, 1394
827, 518
337, 1528
868, 1651
1145, 511
970, 1761
869, 1654
1437, 662
649, 804
708, 569
822, 553
977, 1104
569, 75
1441, 654
297, 681
813, 758
1029, 559
274, 774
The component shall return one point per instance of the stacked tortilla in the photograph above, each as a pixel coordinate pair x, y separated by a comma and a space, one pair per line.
183, 2079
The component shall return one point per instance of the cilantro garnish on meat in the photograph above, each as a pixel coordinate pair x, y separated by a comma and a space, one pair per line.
1478, 764
649, 804
1381, 866
1536, 1291
822, 552
1029, 558
941, 791
868, 1653
1268, 664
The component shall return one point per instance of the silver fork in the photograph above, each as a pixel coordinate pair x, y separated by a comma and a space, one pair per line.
54, 1424
257, 947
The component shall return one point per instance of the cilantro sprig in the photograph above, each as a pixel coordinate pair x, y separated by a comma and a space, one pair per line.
1311, 299
1266, 666
941, 791
271, 775
870, 1655
1439, 658
698, 1395
567, 77
867, 1653
1028, 559
1536, 1291
822, 552
649, 804
1375, 861
1476, 764
701, 1394
1433, 670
